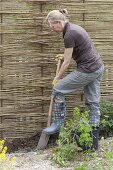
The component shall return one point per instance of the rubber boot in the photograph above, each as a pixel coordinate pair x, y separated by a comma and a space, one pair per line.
59, 116
95, 137
54, 128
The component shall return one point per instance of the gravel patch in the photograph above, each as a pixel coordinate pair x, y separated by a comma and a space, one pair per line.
37, 160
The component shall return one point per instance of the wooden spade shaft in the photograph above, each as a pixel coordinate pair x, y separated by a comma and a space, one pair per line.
44, 138
52, 98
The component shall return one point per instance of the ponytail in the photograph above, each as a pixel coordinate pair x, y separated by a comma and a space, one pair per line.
64, 11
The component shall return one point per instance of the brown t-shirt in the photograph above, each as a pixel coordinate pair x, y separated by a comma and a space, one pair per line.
84, 51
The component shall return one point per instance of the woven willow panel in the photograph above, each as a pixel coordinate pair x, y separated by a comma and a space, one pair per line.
27, 66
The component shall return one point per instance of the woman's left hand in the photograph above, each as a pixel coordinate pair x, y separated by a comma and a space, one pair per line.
54, 81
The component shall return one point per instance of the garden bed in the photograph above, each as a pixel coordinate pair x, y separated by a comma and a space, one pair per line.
33, 159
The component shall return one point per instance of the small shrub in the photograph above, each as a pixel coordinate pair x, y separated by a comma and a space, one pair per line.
106, 122
67, 146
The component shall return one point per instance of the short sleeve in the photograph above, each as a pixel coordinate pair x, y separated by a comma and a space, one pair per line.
69, 41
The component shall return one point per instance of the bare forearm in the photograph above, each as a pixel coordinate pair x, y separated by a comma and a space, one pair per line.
62, 70
65, 64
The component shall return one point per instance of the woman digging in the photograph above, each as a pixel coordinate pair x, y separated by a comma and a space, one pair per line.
79, 46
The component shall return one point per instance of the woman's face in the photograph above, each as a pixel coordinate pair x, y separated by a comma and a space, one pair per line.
55, 26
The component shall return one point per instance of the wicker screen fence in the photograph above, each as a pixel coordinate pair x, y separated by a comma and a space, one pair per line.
27, 65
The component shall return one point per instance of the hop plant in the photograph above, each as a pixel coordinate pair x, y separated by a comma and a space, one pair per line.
75, 131
6, 163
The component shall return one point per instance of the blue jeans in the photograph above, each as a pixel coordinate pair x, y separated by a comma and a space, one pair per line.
89, 82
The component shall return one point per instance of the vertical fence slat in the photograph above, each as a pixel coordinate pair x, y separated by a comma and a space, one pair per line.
1, 65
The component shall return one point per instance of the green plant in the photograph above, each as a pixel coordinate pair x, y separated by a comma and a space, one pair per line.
75, 130
83, 166
106, 122
109, 155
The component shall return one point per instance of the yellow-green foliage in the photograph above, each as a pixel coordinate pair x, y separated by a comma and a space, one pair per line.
6, 163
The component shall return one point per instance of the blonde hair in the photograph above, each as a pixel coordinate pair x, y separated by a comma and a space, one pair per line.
57, 15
